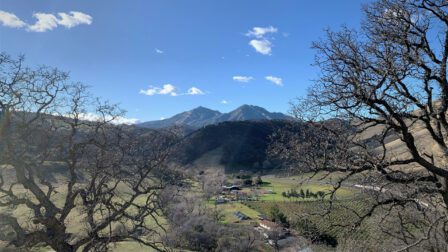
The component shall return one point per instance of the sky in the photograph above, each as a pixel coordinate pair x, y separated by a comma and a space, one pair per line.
157, 58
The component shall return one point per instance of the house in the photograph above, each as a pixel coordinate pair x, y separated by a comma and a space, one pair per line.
262, 217
269, 225
231, 188
220, 201
241, 196
241, 216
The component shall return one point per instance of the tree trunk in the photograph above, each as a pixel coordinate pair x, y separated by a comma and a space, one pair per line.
445, 194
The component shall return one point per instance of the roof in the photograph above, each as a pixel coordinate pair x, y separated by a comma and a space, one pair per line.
232, 187
241, 216
269, 224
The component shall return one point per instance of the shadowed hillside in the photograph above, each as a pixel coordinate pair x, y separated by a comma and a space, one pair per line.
243, 144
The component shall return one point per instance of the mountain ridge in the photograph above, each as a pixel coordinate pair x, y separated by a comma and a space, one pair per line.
202, 116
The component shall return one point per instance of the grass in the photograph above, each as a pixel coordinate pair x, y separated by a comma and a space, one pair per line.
326, 224
75, 224
283, 184
229, 209
251, 209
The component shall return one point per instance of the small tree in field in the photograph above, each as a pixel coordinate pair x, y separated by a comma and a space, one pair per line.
259, 181
79, 184
385, 83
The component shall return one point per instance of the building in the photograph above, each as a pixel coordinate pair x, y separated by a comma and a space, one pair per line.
231, 188
269, 225
220, 201
241, 216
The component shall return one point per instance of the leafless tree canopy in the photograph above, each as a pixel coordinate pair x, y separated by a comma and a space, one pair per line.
387, 86
71, 183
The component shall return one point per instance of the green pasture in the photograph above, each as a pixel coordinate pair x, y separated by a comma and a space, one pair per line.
229, 209
284, 184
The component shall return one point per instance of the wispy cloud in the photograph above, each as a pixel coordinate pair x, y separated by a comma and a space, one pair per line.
262, 42
263, 46
224, 102
276, 80
166, 89
46, 21
10, 20
159, 51
259, 32
171, 90
243, 79
73, 19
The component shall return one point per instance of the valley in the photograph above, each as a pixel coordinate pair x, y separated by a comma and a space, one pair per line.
224, 126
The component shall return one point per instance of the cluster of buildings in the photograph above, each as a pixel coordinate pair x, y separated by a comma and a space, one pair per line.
236, 193
276, 235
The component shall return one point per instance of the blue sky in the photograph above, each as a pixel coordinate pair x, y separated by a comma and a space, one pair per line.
157, 58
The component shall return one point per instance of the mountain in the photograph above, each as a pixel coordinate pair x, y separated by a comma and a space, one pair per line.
236, 145
195, 118
200, 117
250, 112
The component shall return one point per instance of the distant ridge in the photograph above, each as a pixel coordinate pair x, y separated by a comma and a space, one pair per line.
201, 116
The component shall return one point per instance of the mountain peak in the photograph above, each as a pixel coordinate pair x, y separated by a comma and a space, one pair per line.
202, 116
203, 109
250, 107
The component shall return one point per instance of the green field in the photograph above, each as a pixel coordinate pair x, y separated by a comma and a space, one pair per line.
281, 184
299, 209
229, 209
278, 185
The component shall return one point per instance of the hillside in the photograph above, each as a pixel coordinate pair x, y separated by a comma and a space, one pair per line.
240, 145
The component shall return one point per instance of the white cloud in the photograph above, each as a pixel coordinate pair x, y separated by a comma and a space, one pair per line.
162, 118
46, 21
125, 120
259, 32
169, 89
73, 19
244, 79
194, 91
10, 20
159, 51
117, 120
276, 80
263, 46
262, 42
224, 102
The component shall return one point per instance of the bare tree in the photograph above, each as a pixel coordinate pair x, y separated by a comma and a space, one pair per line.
386, 86
79, 180
212, 183
240, 239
